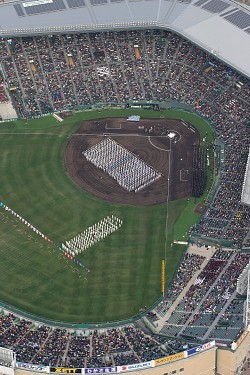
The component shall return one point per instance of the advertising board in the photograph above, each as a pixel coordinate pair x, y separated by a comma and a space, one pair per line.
200, 348
66, 370
135, 366
31, 366
101, 370
170, 358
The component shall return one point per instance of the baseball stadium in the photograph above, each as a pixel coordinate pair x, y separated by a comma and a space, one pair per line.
125, 187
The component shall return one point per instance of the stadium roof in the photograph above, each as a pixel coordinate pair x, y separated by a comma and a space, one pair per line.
222, 27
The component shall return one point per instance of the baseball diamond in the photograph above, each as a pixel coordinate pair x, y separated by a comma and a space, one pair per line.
166, 145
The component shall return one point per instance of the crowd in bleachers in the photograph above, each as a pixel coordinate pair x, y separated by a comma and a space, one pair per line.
199, 172
57, 72
58, 347
3, 96
210, 294
189, 265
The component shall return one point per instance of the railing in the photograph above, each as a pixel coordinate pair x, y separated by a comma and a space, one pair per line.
67, 325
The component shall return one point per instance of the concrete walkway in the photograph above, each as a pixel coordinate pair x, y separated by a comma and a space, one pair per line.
192, 249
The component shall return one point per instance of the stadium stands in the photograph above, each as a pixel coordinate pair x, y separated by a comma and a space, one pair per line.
3, 97
197, 312
58, 347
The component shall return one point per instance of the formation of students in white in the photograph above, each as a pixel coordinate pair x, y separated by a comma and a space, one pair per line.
132, 173
92, 235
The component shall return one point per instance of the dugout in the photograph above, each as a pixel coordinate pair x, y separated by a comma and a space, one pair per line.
155, 105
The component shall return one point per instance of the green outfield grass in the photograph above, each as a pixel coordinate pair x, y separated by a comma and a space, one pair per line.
125, 267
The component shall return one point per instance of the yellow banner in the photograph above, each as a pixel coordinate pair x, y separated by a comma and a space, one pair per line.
174, 357
241, 338
66, 370
162, 276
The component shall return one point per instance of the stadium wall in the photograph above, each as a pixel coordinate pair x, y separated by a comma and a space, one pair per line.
6, 370
206, 359
203, 363
231, 361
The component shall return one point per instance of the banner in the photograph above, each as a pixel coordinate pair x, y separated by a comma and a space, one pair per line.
32, 367
163, 277
200, 348
221, 344
241, 338
174, 357
193, 351
136, 366
101, 370
66, 370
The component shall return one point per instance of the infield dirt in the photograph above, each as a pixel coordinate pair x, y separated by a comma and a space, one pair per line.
164, 144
